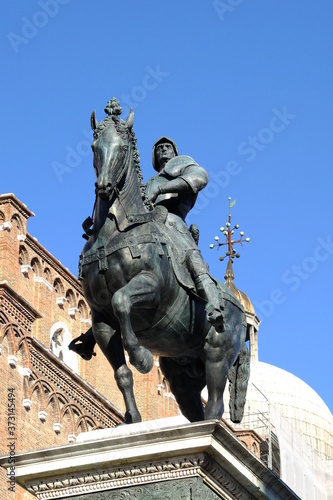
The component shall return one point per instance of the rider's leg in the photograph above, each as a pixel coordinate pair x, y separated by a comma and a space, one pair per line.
111, 345
206, 288
143, 291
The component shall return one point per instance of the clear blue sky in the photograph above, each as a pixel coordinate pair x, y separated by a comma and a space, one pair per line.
245, 87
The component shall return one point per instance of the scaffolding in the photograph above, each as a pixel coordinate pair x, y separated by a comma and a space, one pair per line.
284, 449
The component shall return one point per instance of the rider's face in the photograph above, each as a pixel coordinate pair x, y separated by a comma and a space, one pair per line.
164, 152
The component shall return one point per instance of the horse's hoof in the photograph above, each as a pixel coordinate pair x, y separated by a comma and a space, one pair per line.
142, 360
132, 418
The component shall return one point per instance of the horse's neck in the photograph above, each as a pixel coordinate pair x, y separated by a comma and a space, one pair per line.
128, 200
111, 217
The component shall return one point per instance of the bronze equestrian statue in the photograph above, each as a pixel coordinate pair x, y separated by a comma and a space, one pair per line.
146, 283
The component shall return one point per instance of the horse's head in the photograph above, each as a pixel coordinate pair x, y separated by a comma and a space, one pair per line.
112, 146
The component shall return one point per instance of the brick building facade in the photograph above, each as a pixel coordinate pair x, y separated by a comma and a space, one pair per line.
49, 394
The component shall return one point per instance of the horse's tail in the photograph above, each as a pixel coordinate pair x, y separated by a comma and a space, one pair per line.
239, 375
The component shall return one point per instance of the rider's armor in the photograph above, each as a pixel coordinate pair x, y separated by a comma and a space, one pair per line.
192, 178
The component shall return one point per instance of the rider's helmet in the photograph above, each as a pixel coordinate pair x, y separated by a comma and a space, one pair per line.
159, 141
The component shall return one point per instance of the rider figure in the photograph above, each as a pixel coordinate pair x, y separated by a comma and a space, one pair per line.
176, 187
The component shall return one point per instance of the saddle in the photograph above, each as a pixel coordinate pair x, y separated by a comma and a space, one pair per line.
174, 234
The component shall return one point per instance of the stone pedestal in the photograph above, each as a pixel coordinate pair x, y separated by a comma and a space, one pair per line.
160, 459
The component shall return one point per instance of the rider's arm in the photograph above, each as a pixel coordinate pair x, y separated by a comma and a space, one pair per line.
178, 185
192, 179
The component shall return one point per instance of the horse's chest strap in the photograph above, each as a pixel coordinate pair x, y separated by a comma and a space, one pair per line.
131, 242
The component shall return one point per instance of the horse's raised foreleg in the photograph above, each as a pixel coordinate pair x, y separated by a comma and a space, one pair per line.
111, 345
142, 291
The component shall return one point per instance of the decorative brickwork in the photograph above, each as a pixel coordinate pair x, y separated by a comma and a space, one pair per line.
16, 308
251, 440
56, 382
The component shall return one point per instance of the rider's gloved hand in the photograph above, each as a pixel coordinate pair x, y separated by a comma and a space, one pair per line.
154, 192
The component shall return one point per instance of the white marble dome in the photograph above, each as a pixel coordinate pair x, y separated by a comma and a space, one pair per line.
272, 388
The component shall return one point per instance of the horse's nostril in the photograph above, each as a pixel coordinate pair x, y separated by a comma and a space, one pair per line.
103, 189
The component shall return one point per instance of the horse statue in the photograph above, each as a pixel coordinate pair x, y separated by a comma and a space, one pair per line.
137, 300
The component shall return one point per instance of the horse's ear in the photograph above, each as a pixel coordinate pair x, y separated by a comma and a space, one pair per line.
93, 121
130, 119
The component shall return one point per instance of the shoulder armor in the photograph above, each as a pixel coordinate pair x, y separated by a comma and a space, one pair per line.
176, 165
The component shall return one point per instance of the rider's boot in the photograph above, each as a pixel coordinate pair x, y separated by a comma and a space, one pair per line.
208, 290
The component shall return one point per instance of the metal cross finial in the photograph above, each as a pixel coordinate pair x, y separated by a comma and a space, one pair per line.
228, 232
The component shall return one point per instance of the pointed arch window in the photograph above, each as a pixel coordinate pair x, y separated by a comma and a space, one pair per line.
60, 338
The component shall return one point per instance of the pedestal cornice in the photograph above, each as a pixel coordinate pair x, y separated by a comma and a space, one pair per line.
151, 452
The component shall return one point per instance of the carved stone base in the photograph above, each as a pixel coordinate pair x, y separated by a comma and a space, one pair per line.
161, 459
